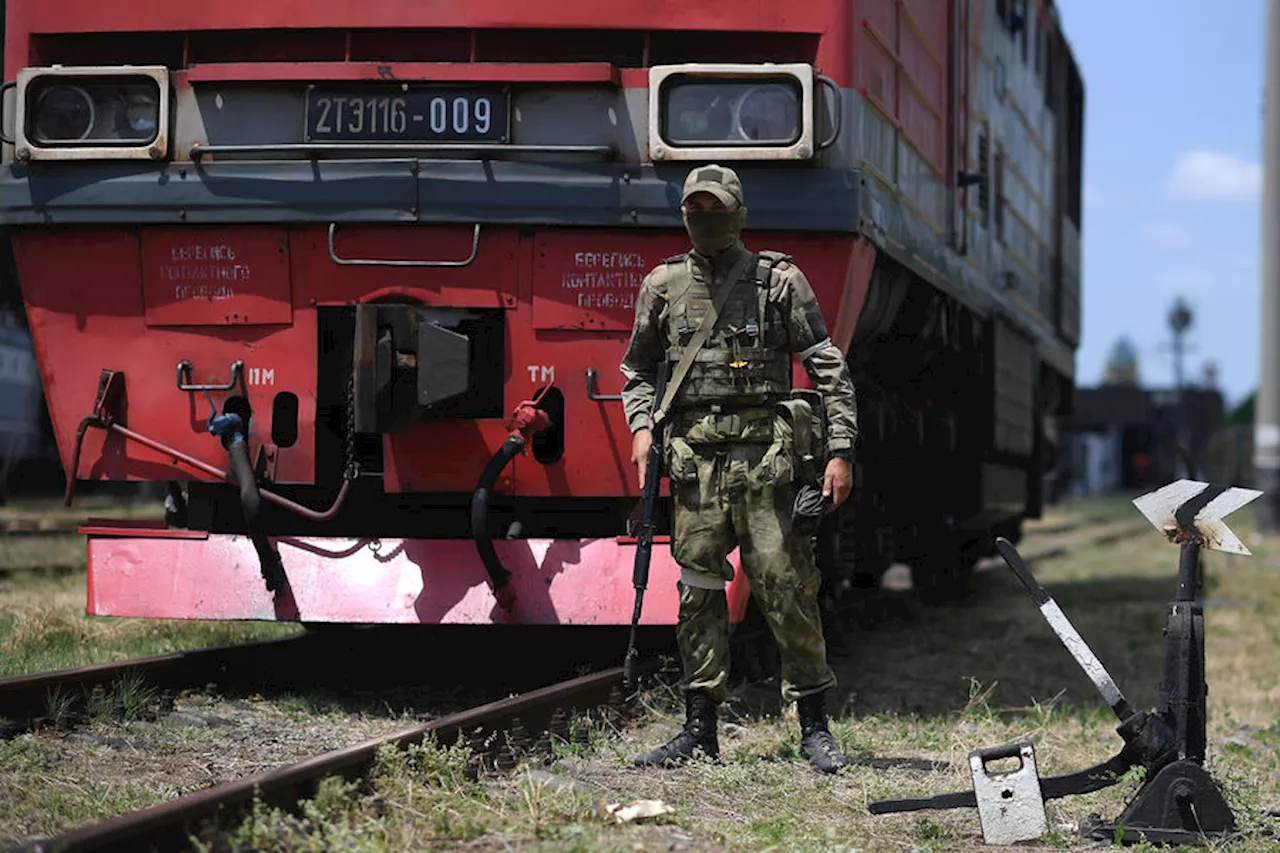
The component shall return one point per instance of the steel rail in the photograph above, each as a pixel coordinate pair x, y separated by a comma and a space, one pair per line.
23, 697
168, 825
21, 531
1106, 536
1067, 525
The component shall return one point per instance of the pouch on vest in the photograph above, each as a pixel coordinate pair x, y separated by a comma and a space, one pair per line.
775, 468
809, 504
818, 417
786, 459
682, 465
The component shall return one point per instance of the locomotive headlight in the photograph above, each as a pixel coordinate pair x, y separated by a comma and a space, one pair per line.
723, 111
732, 113
92, 113
62, 114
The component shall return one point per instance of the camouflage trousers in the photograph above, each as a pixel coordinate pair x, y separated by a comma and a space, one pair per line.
741, 495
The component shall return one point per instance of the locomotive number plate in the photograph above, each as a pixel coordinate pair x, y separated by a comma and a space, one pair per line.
408, 114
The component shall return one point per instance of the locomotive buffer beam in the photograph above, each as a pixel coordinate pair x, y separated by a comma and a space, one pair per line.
1179, 802
403, 363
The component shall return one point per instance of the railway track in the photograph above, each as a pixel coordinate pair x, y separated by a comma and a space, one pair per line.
293, 662
25, 699
755, 654
1104, 535
1051, 528
36, 529
19, 526
347, 659
529, 718
542, 711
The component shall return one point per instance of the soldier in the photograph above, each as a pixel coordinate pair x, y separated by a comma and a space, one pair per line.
737, 446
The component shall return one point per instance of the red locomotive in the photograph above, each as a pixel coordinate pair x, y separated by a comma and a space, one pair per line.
355, 279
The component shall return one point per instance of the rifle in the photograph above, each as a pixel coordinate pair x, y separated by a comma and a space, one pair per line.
646, 526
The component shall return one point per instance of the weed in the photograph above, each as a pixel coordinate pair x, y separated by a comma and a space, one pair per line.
60, 707
978, 708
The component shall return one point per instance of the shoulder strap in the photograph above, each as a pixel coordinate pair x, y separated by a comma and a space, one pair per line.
678, 272
764, 272
700, 337
673, 266
765, 264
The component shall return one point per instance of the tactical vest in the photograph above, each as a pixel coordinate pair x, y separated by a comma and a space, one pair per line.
744, 361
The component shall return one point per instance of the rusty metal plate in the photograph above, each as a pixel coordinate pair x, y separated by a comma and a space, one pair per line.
590, 281
216, 277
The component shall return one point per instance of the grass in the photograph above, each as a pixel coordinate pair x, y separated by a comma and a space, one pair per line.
52, 510
43, 555
920, 688
123, 756
65, 797
427, 797
43, 624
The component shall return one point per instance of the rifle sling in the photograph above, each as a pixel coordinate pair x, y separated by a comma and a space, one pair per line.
727, 285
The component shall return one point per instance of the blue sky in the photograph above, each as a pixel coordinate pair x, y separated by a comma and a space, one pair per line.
1173, 181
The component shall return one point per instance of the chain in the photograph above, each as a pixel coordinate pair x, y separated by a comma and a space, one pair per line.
351, 470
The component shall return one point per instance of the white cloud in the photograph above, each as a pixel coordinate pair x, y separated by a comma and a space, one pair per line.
1207, 277
1214, 175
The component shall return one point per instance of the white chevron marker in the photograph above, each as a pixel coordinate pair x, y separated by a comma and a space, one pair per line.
1196, 510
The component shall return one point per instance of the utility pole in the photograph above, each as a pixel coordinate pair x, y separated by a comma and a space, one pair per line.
1179, 321
1266, 428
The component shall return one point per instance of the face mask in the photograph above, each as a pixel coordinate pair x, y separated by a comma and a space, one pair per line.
714, 230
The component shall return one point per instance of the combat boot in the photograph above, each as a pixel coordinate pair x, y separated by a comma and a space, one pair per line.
815, 738
699, 732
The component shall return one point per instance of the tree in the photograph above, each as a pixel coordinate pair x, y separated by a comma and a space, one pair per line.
1242, 414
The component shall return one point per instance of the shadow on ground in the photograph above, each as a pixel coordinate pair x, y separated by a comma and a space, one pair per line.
896, 655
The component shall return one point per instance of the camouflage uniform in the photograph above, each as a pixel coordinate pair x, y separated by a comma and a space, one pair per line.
734, 454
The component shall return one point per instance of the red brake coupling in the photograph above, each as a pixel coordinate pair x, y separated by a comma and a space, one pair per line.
527, 419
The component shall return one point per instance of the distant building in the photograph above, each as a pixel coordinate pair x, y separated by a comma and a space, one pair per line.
1125, 438
1122, 364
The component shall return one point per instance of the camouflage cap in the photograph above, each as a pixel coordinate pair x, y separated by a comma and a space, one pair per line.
721, 181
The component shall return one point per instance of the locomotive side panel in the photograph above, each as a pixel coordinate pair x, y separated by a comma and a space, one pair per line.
902, 58
962, 357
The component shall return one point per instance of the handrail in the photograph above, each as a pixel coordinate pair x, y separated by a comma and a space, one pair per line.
199, 150
835, 134
592, 393
4, 87
184, 371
